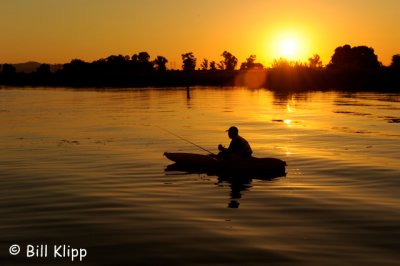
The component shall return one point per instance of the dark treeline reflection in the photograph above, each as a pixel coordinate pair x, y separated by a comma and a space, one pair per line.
350, 68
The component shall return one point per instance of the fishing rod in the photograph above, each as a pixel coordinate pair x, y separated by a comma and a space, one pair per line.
182, 138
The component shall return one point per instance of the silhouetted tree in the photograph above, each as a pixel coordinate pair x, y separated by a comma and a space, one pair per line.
395, 61
341, 57
230, 61
8, 73
350, 68
221, 65
77, 62
43, 69
358, 57
251, 64
315, 61
42, 75
204, 64
281, 63
161, 63
189, 62
116, 60
76, 72
76, 65
212, 66
141, 62
143, 57
8, 70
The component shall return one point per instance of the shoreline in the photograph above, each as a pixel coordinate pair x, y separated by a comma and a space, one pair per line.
279, 80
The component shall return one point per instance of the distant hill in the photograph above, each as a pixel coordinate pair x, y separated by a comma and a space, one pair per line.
29, 67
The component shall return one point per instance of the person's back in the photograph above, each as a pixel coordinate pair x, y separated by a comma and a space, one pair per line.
239, 148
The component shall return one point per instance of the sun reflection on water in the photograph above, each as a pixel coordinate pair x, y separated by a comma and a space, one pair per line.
289, 109
288, 122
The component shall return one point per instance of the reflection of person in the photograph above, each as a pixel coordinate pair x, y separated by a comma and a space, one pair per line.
237, 186
239, 148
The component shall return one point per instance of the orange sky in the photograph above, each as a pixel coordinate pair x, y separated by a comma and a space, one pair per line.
58, 31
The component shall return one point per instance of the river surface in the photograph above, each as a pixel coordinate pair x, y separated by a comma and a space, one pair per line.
85, 168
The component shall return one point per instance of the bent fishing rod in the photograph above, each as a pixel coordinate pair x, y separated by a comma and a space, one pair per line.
182, 138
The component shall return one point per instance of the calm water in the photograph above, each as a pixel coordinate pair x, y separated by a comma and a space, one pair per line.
86, 169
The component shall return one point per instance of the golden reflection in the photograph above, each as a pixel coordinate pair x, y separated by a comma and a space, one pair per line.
252, 79
288, 122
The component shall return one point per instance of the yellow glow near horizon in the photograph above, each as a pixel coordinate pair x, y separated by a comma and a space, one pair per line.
290, 45
44, 31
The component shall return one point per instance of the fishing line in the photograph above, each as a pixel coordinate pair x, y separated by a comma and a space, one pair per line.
182, 138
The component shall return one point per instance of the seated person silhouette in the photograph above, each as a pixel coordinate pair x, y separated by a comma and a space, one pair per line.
239, 148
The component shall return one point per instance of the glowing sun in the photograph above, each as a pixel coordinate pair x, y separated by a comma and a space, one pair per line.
290, 46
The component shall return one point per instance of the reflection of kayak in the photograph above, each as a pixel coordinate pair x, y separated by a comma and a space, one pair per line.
210, 164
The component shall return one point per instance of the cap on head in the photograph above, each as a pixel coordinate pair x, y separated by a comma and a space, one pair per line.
233, 130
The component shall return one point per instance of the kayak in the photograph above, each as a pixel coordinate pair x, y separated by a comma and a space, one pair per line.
191, 162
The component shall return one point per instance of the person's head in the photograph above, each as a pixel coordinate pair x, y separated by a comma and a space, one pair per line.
233, 132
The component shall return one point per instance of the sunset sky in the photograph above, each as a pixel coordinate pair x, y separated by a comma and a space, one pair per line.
55, 31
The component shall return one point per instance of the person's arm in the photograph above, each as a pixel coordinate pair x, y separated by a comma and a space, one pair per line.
221, 148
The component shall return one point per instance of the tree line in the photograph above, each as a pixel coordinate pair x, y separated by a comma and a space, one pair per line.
350, 68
